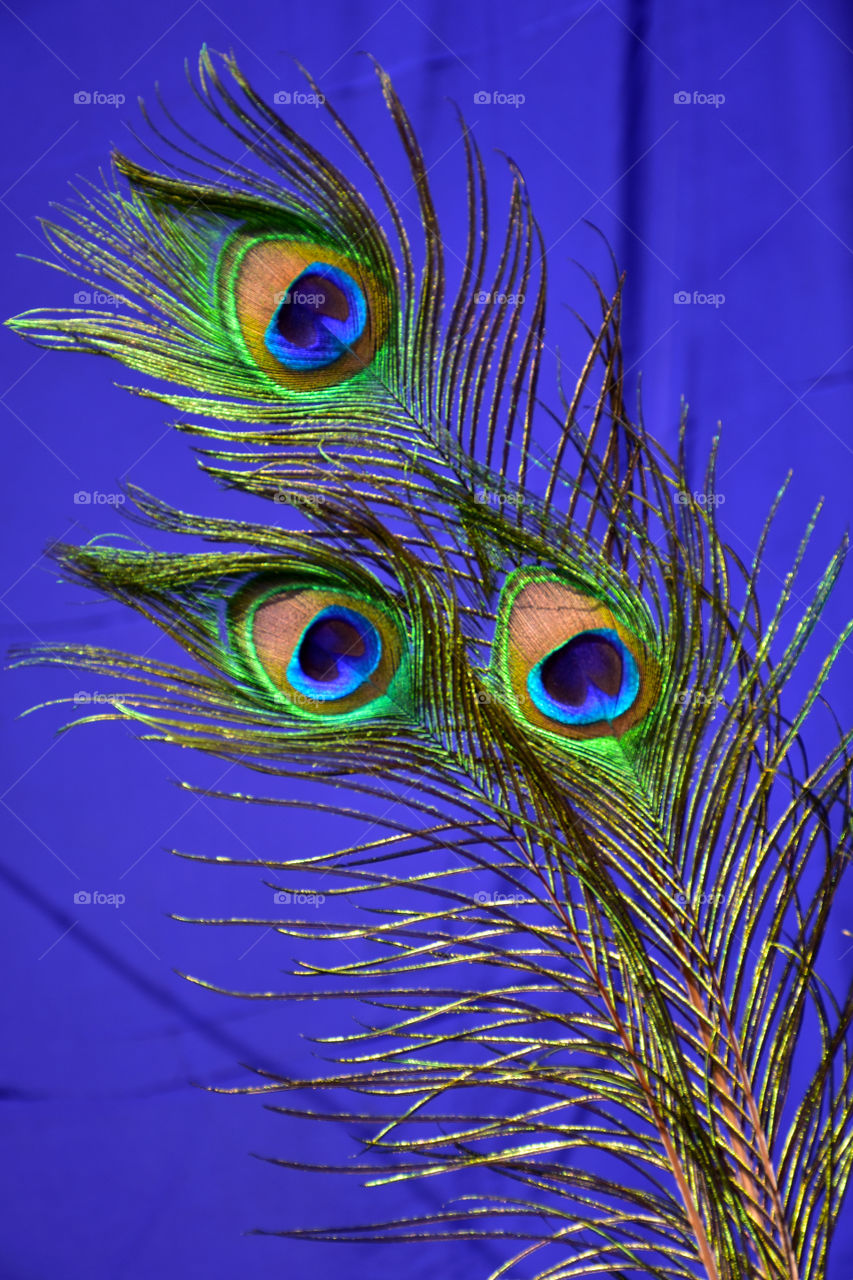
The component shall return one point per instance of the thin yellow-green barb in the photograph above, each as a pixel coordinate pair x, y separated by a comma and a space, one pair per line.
585, 957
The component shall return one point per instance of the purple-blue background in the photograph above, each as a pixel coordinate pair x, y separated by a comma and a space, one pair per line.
114, 1166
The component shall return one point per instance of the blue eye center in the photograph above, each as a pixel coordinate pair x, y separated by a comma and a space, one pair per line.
327, 646
590, 678
320, 316
337, 652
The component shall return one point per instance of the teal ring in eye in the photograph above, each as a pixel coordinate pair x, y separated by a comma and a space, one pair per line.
336, 654
322, 314
592, 677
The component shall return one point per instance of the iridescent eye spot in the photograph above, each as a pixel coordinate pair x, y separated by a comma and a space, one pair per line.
336, 654
590, 678
568, 665
319, 650
306, 315
320, 317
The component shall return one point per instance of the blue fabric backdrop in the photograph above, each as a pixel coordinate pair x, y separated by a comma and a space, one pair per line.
712, 144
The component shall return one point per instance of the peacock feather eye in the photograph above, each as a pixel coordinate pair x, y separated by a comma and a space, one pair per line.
570, 666
321, 316
308, 316
324, 652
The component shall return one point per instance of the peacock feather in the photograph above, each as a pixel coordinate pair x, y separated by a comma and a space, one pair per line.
588, 957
